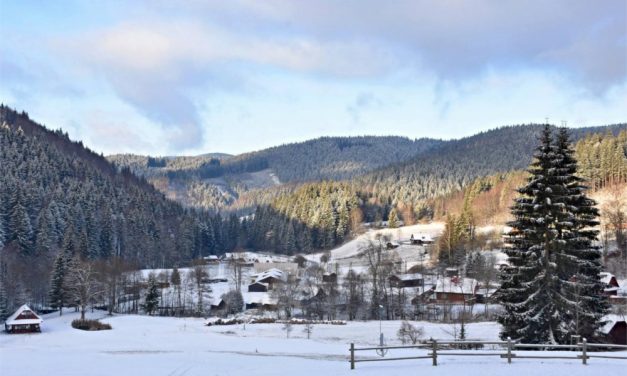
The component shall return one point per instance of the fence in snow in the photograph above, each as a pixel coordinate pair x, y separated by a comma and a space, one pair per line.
452, 348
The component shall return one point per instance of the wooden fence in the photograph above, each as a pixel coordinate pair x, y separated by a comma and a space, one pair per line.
453, 348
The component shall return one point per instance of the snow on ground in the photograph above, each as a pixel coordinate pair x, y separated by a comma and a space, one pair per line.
355, 246
141, 345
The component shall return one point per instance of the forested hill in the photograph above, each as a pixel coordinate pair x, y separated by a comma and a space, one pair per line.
457, 163
220, 181
57, 194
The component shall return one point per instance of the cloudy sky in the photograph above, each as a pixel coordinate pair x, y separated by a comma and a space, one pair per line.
232, 76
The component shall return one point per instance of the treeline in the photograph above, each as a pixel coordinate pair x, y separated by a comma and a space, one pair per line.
316, 216
603, 159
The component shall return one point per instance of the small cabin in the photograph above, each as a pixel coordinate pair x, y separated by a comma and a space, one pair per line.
616, 330
421, 239
455, 290
610, 284
407, 280
24, 320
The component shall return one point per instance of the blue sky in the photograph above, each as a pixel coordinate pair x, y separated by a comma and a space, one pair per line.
159, 77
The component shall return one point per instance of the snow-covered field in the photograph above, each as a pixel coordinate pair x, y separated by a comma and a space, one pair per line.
141, 345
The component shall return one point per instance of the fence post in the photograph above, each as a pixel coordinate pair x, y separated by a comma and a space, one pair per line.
584, 352
434, 354
352, 355
509, 350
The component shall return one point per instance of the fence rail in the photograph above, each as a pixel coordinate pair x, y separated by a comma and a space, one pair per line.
437, 349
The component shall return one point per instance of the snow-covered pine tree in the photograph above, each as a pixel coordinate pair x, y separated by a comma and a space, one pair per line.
579, 302
528, 285
20, 228
151, 301
57, 294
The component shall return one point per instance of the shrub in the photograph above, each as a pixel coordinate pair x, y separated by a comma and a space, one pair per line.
408, 333
90, 325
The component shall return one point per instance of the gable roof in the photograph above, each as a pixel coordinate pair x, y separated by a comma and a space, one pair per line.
12, 320
270, 273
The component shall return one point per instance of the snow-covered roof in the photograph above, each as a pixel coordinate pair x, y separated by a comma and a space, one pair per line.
270, 273
422, 236
456, 285
606, 277
610, 321
12, 320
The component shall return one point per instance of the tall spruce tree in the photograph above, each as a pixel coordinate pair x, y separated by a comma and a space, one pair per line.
552, 283
528, 284
579, 302
57, 294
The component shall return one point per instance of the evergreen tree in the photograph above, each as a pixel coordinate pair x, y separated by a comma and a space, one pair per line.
57, 294
550, 288
20, 228
151, 301
580, 306
393, 219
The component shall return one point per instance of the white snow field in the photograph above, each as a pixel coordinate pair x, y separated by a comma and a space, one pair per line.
141, 345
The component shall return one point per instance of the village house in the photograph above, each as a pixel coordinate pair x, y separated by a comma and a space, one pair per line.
24, 320
407, 280
421, 239
615, 329
269, 278
455, 290
611, 284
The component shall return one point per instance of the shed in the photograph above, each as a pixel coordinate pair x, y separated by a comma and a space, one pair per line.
24, 320
407, 280
610, 283
455, 289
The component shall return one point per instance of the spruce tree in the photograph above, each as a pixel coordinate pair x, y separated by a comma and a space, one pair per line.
57, 294
579, 302
551, 291
151, 301
528, 285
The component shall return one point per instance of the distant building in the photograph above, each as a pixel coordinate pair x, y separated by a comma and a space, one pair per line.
407, 280
24, 320
421, 239
615, 329
611, 284
455, 290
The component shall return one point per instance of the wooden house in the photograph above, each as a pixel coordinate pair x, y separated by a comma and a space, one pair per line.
258, 287
455, 290
24, 320
407, 280
616, 330
610, 284
421, 239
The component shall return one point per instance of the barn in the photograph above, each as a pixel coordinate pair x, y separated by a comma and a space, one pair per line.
24, 320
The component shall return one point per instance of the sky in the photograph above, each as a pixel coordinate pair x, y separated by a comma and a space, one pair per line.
164, 77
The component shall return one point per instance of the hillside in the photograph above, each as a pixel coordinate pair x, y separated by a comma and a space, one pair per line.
456, 164
217, 181
55, 194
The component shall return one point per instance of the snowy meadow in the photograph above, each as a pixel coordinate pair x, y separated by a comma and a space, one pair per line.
142, 345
